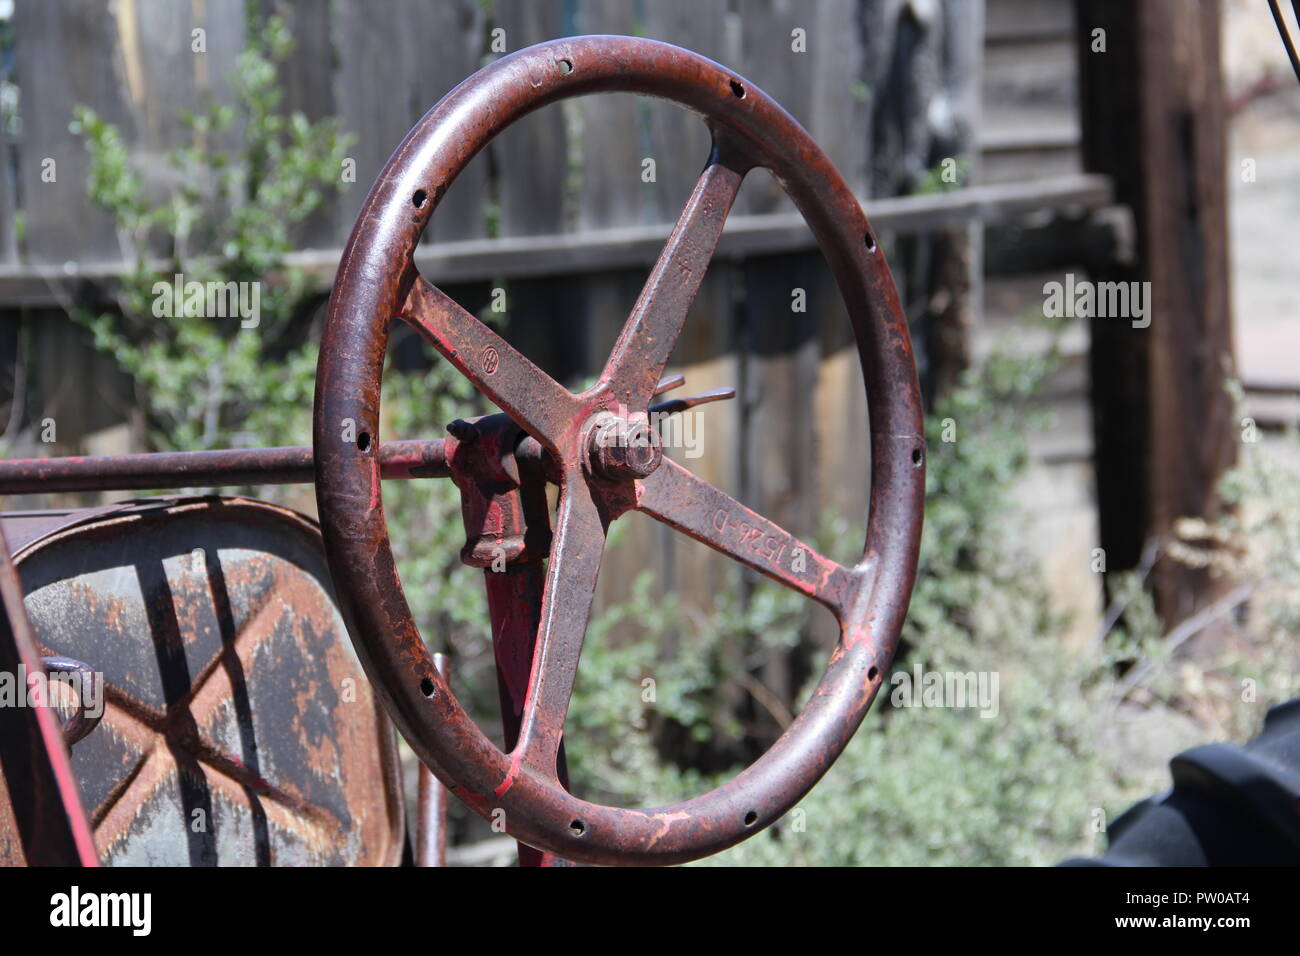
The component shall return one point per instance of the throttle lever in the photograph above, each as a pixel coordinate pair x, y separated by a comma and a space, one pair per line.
674, 405
668, 383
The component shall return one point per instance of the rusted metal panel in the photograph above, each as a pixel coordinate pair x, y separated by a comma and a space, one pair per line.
42, 817
237, 726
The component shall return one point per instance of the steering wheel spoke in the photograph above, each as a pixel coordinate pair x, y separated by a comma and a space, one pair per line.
537, 403
696, 508
576, 550
647, 340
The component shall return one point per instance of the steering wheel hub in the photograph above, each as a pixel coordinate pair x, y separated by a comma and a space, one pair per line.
620, 449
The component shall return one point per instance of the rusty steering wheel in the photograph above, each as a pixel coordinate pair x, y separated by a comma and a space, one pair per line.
600, 480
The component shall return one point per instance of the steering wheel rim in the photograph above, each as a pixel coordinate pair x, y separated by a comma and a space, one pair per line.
377, 280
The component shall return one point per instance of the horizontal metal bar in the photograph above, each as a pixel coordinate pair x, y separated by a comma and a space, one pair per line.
205, 469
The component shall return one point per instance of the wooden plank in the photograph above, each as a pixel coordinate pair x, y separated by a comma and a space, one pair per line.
678, 138
79, 388
1033, 75
1021, 165
65, 56
1029, 88
838, 116
780, 352
546, 320
532, 156
767, 58
386, 81
306, 80
841, 435
596, 250
14, 362
163, 76
707, 354
1041, 129
1020, 20
8, 198
780, 349
610, 137
305, 76
843, 449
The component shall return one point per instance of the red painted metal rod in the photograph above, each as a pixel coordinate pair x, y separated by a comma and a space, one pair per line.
431, 825
411, 458
205, 469
43, 799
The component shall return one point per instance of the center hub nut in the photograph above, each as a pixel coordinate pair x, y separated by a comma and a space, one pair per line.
621, 448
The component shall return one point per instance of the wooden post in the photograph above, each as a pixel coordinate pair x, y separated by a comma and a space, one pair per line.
1153, 120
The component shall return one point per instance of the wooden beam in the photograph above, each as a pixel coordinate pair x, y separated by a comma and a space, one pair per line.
629, 246
1153, 120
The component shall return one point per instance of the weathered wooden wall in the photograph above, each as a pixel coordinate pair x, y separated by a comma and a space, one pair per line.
792, 445
887, 87
1029, 129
